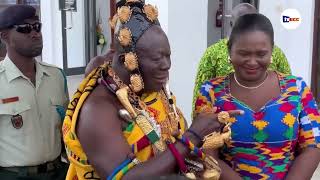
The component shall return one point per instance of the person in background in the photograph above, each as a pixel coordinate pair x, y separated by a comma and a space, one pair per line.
33, 99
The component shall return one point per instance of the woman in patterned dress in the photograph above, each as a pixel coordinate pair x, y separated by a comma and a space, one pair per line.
278, 136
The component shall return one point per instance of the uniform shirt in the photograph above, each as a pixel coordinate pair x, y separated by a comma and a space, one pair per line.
30, 115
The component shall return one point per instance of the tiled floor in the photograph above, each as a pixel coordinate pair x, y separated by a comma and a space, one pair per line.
74, 81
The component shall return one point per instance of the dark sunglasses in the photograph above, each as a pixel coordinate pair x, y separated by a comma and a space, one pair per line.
27, 28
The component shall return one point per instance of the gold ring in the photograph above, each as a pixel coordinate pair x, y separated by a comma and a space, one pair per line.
223, 117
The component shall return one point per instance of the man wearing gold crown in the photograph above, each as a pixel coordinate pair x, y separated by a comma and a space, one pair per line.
123, 121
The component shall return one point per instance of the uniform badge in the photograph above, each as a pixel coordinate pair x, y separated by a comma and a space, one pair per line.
9, 100
17, 121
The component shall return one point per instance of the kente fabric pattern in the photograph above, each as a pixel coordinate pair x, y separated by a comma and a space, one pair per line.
265, 143
80, 167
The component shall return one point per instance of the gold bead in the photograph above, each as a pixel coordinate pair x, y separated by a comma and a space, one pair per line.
124, 37
136, 83
131, 61
124, 14
151, 12
223, 117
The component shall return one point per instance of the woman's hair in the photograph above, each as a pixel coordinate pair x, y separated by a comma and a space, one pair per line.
249, 23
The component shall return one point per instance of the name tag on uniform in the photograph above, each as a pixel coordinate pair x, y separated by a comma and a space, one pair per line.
17, 121
9, 100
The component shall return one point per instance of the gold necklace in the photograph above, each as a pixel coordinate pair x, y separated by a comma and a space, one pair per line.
247, 87
171, 123
168, 126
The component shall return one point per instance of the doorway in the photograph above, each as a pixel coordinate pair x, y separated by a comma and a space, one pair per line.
219, 17
315, 78
78, 34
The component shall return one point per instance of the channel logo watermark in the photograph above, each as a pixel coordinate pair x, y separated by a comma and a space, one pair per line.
290, 19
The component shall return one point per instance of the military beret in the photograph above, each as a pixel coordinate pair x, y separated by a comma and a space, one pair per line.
15, 15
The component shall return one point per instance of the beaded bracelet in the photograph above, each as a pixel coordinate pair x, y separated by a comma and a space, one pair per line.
191, 146
195, 134
178, 157
123, 168
117, 169
126, 169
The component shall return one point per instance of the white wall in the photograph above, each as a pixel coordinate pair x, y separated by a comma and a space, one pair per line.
188, 39
51, 31
296, 44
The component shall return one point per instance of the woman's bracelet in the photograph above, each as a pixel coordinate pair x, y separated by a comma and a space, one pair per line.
195, 134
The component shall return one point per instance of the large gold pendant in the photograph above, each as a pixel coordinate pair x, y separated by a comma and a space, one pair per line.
174, 122
147, 128
216, 140
122, 95
213, 141
213, 171
165, 130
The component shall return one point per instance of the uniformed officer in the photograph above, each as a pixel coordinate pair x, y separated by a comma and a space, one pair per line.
33, 97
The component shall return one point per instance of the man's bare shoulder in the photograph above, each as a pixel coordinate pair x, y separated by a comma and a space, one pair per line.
101, 100
94, 63
100, 110
98, 60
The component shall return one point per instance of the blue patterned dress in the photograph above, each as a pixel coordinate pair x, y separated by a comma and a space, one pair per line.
265, 143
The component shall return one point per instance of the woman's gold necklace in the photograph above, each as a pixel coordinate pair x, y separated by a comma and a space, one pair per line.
247, 87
